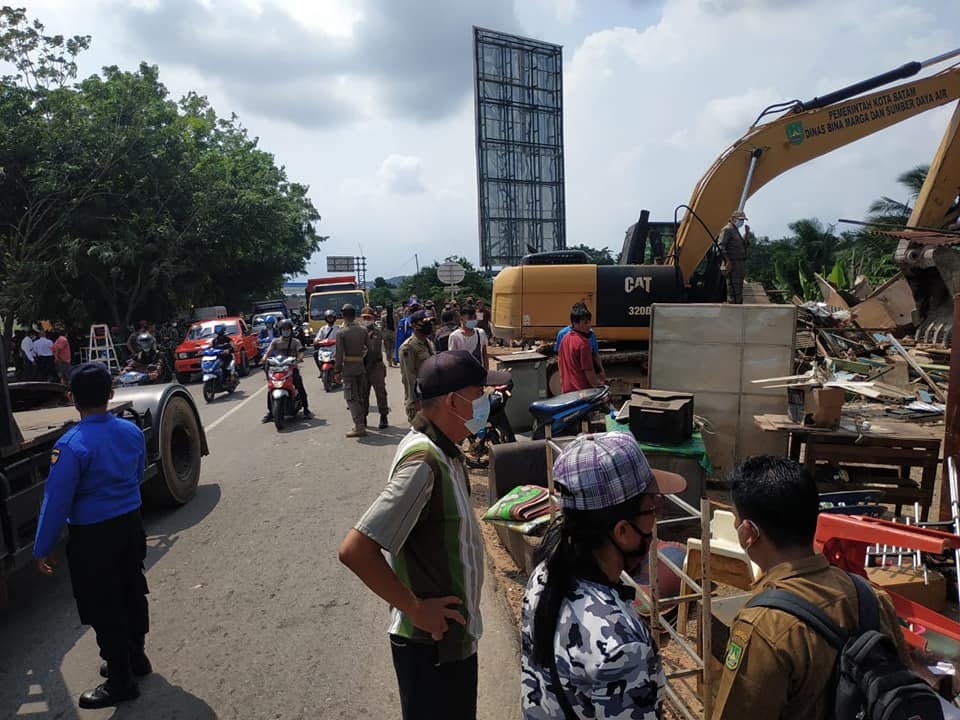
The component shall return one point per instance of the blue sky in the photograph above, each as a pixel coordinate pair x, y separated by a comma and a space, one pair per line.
370, 102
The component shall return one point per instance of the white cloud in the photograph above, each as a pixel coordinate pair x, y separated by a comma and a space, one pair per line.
402, 175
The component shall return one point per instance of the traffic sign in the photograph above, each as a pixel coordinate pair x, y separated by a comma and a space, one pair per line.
341, 263
450, 273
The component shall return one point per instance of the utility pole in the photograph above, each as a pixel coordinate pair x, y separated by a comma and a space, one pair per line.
416, 259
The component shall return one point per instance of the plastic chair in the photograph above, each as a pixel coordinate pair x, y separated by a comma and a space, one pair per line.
723, 544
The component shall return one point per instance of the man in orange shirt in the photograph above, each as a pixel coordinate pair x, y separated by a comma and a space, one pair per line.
61, 356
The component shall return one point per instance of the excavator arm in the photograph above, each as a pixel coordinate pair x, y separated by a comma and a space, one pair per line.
816, 128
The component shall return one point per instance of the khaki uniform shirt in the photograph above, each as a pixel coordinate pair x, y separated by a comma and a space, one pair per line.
732, 243
412, 354
374, 347
283, 347
351, 349
778, 668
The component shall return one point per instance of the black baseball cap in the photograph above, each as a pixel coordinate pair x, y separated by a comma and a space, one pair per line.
454, 370
91, 384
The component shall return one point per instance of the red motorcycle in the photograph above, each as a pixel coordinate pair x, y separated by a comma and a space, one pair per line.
285, 401
326, 352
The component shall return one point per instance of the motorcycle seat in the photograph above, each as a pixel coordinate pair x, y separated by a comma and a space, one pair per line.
558, 404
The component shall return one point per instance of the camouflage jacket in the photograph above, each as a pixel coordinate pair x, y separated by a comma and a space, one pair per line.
607, 663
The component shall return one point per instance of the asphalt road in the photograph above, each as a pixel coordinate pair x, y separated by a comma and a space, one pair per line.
252, 615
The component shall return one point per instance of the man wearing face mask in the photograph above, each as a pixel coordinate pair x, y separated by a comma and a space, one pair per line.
776, 666
584, 651
733, 250
413, 353
469, 336
287, 346
374, 369
424, 519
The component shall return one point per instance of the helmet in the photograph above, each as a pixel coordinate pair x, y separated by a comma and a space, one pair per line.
220, 329
330, 314
269, 320
286, 324
146, 342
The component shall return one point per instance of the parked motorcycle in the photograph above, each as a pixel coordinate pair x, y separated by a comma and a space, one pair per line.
216, 378
497, 431
136, 373
564, 413
326, 351
285, 401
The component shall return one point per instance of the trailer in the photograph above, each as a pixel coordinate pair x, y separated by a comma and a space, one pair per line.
33, 416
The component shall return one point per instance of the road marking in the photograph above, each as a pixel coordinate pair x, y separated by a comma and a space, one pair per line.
231, 411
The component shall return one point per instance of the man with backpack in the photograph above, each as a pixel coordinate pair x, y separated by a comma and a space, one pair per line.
808, 619
448, 325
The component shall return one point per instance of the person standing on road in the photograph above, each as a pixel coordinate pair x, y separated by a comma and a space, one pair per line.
405, 328
62, 356
348, 366
389, 330
29, 355
413, 353
483, 319
469, 337
43, 347
374, 369
96, 469
425, 520
287, 346
733, 250
583, 646
448, 324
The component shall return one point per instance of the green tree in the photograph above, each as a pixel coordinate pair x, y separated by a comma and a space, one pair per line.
382, 292
888, 211
603, 256
426, 285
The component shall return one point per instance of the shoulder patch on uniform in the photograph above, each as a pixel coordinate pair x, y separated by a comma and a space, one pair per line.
54, 456
734, 654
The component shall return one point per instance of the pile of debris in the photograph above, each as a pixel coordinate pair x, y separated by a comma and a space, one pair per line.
850, 341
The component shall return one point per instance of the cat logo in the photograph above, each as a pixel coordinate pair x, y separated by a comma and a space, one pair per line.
637, 283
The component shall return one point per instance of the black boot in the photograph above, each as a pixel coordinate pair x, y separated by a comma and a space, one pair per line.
109, 694
383, 421
139, 664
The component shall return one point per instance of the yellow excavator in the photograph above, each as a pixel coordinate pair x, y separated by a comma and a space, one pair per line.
532, 301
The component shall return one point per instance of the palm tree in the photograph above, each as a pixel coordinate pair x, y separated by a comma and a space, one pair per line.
894, 212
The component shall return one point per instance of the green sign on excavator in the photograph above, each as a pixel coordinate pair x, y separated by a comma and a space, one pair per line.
795, 133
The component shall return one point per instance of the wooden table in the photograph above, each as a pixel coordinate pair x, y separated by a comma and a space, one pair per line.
883, 456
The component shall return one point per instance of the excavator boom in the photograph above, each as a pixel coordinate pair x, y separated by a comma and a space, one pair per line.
797, 137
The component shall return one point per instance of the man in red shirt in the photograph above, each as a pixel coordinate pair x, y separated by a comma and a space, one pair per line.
575, 355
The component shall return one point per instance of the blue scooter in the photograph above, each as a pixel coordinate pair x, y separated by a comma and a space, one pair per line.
562, 414
216, 378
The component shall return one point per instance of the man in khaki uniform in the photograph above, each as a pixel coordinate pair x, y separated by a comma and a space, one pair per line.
777, 667
375, 370
733, 249
348, 365
413, 352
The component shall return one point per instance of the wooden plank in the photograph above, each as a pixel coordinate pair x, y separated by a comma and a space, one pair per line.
911, 361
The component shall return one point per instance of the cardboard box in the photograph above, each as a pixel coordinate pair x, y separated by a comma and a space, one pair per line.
817, 406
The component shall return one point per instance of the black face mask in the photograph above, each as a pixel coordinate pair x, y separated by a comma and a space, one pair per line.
633, 559
426, 328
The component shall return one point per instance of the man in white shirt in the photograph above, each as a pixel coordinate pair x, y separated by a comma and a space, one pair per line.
469, 337
327, 332
29, 356
43, 347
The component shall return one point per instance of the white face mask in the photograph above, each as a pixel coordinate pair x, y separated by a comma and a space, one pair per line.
368, 323
738, 223
480, 414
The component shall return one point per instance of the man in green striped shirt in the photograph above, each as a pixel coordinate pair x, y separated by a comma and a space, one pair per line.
424, 520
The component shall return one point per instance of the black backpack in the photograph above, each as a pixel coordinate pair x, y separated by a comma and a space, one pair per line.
441, 340
871, 683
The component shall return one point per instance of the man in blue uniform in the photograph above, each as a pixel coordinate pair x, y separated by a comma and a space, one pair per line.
94, 486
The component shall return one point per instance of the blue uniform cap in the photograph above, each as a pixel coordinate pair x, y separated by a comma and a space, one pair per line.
90, 384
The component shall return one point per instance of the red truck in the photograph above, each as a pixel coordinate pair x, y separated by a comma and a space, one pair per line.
199, 337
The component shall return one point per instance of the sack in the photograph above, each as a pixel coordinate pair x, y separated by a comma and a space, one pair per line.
870, 680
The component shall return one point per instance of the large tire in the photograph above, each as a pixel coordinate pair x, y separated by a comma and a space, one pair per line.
244, 364
279, 412
209, 390
183, 378
179, 442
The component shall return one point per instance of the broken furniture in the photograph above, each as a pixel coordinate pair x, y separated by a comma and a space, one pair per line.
881, 455
729, 562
